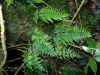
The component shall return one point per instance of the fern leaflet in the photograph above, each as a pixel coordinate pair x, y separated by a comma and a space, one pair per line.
69, 34
32, 60
49, 14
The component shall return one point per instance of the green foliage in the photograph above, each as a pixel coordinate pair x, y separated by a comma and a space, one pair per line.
89, 19
32, 3
57, 3
97, 55
92, 49
9, 2
56, 45
71, 70
66, 52
95, 52
43, 47
35, 1
91, 43
92, 64
32, 60
49, 14
41, 43
70, 33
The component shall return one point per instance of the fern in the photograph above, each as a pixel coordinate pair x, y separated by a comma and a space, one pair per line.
41, 42
9, 2
66, 52
41, 46
49, 14
32, 60
38, 1
69, 34
35, 1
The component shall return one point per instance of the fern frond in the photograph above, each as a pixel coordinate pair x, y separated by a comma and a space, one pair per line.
66, 53
49, 14
69, 34
40, 42
36, 1
9, 2
40, 46
32, 60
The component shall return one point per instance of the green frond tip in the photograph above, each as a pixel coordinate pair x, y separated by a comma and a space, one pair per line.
69, 34
32, 60
49, 14
9, 2
66, 53
38, 35
36, 1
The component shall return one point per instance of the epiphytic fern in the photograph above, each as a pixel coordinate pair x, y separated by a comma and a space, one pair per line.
42, 46
49, 14
41, 42
32, 60
69, 34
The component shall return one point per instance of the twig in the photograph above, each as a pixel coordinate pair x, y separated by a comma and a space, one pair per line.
74, 64
19, 46
47, 4
2, 39
6, 73
79, 14
75, 15
14, 60
76, 46
19, 69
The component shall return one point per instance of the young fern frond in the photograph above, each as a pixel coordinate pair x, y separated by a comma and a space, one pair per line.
69, 34
49, 14
32, 60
